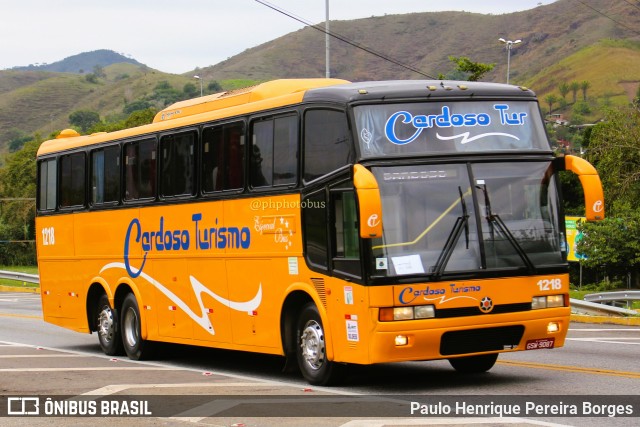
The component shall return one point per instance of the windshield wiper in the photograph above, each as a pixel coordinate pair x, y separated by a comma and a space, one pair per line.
462, 223
494, 219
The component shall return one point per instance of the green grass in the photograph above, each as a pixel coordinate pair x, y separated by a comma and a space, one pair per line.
30, 269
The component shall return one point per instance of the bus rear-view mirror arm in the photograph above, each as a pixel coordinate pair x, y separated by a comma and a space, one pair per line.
369, 201
591, 184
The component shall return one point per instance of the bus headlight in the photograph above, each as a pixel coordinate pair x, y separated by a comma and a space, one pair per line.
388, 314
424, 312
548, 301
403, 313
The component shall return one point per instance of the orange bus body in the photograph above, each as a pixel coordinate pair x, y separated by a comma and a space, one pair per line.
232, 272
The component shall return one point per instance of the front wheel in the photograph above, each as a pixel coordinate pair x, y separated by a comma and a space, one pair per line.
108, 328
135, 347
311, 349
474, 364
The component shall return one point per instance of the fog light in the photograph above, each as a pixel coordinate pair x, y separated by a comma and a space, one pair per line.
553, 327
401, 340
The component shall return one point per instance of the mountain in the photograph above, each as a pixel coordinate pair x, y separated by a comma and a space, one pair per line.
82, 63
549, 35
41, 101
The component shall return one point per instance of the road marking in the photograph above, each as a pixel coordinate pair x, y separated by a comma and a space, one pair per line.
21, 316
606, 340
114, 368
9, 356
495, 421
117, 388
576, 369
605, 330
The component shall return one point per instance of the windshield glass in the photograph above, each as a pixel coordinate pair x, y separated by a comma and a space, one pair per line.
442, 219
449, 127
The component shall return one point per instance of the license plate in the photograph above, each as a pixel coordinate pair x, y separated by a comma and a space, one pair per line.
540, 343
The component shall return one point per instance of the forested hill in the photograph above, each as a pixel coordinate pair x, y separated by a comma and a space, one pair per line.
82, 62
549, 34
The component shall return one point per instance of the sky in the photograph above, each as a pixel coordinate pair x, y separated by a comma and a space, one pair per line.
178, 36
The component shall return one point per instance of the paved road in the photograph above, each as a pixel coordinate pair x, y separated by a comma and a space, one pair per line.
38, 359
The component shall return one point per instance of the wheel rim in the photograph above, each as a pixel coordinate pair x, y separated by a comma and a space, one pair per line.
106, 325
130, 328
312, 345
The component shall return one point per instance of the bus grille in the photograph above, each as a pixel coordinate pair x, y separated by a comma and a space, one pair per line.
475, 311
479, 340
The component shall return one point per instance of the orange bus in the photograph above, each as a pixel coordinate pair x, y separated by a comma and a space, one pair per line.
329, 222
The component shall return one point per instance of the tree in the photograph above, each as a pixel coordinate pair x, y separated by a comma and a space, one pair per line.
214, 87
584, 85
17, 219
614, 243
613, 147
614, 150
551, 99
84, 119
190, 90
564, 89
575, 87
474, 70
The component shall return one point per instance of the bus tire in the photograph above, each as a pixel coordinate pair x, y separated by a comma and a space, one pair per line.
311, 349
474, 364
135, 347
108, 328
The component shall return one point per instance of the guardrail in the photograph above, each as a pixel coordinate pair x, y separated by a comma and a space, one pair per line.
21, 277
595, 309
613, 296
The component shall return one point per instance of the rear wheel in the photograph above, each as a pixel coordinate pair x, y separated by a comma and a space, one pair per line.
108, 328
311, 349
474, 364
135, 347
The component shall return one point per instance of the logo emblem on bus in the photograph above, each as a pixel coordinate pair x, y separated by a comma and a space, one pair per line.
598, 206
373, 221
486, 305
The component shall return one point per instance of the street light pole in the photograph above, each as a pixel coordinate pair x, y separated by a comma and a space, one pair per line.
200, 80
509, 44
326, 40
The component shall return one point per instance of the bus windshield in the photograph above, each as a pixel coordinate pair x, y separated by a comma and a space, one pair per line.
449, 127
451, 218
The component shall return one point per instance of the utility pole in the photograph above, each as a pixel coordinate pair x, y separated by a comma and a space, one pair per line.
326, 40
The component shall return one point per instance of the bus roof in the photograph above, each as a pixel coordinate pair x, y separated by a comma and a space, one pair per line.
264, 96
413, 89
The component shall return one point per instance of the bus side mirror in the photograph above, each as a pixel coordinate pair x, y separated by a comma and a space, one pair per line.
593, 194
370, 203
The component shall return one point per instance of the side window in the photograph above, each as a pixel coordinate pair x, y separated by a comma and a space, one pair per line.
222, 158
327, 143
274, 152
178, 164
72, 180
105, 175
315, 229
346, 245
48, 185
140, 161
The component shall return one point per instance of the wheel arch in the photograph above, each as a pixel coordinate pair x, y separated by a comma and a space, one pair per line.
297, 296
97, 288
